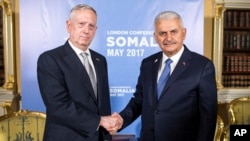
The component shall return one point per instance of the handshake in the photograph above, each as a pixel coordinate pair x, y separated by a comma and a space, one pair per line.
111, 123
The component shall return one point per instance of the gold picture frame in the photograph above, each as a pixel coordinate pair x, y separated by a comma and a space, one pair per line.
8, 44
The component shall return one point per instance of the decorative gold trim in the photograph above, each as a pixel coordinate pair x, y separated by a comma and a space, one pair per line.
23, 113
218, 83
13, 125
219, 10
232, 120
9, 85
219, 128
6, 6
231, 106
6, 106
9, 58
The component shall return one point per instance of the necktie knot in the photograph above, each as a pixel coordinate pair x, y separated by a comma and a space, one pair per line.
168, 61
84, 55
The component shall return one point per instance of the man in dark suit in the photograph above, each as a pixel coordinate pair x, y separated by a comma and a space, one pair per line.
75, 89
186, 109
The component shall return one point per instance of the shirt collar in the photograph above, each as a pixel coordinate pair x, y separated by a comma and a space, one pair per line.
174, 58
77, 50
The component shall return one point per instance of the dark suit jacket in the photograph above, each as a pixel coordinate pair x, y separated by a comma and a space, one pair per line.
187, 109
73, 112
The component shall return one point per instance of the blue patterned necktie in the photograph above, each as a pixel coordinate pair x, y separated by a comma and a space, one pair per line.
164, 77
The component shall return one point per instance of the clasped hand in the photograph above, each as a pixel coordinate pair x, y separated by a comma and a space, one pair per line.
111, 123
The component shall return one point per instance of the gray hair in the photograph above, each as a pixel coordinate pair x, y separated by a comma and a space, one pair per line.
81, 7
168, 15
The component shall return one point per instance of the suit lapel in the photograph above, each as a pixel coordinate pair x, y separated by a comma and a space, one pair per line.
73, 60
180, 67
96, 62
156, 66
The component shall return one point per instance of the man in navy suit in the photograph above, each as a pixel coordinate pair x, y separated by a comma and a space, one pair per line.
186, 109
76, 108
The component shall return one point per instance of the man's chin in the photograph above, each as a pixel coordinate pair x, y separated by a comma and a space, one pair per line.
84, 43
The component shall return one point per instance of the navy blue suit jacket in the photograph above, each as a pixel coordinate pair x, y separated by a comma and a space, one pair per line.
73, 112
187, 109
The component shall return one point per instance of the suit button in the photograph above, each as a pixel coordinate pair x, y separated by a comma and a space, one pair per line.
157, 112
152, 130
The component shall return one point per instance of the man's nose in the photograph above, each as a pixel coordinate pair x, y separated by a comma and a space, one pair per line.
168, 36
86, 29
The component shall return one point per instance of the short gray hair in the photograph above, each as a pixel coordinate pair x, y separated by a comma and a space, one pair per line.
168, 15
81, 7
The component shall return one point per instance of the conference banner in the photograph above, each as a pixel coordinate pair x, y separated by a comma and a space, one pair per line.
124, 35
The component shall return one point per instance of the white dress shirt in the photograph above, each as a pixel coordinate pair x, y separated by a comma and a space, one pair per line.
175, 60
79, 51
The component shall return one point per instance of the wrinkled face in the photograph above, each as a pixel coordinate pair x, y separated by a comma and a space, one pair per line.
82, 28
169, 35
